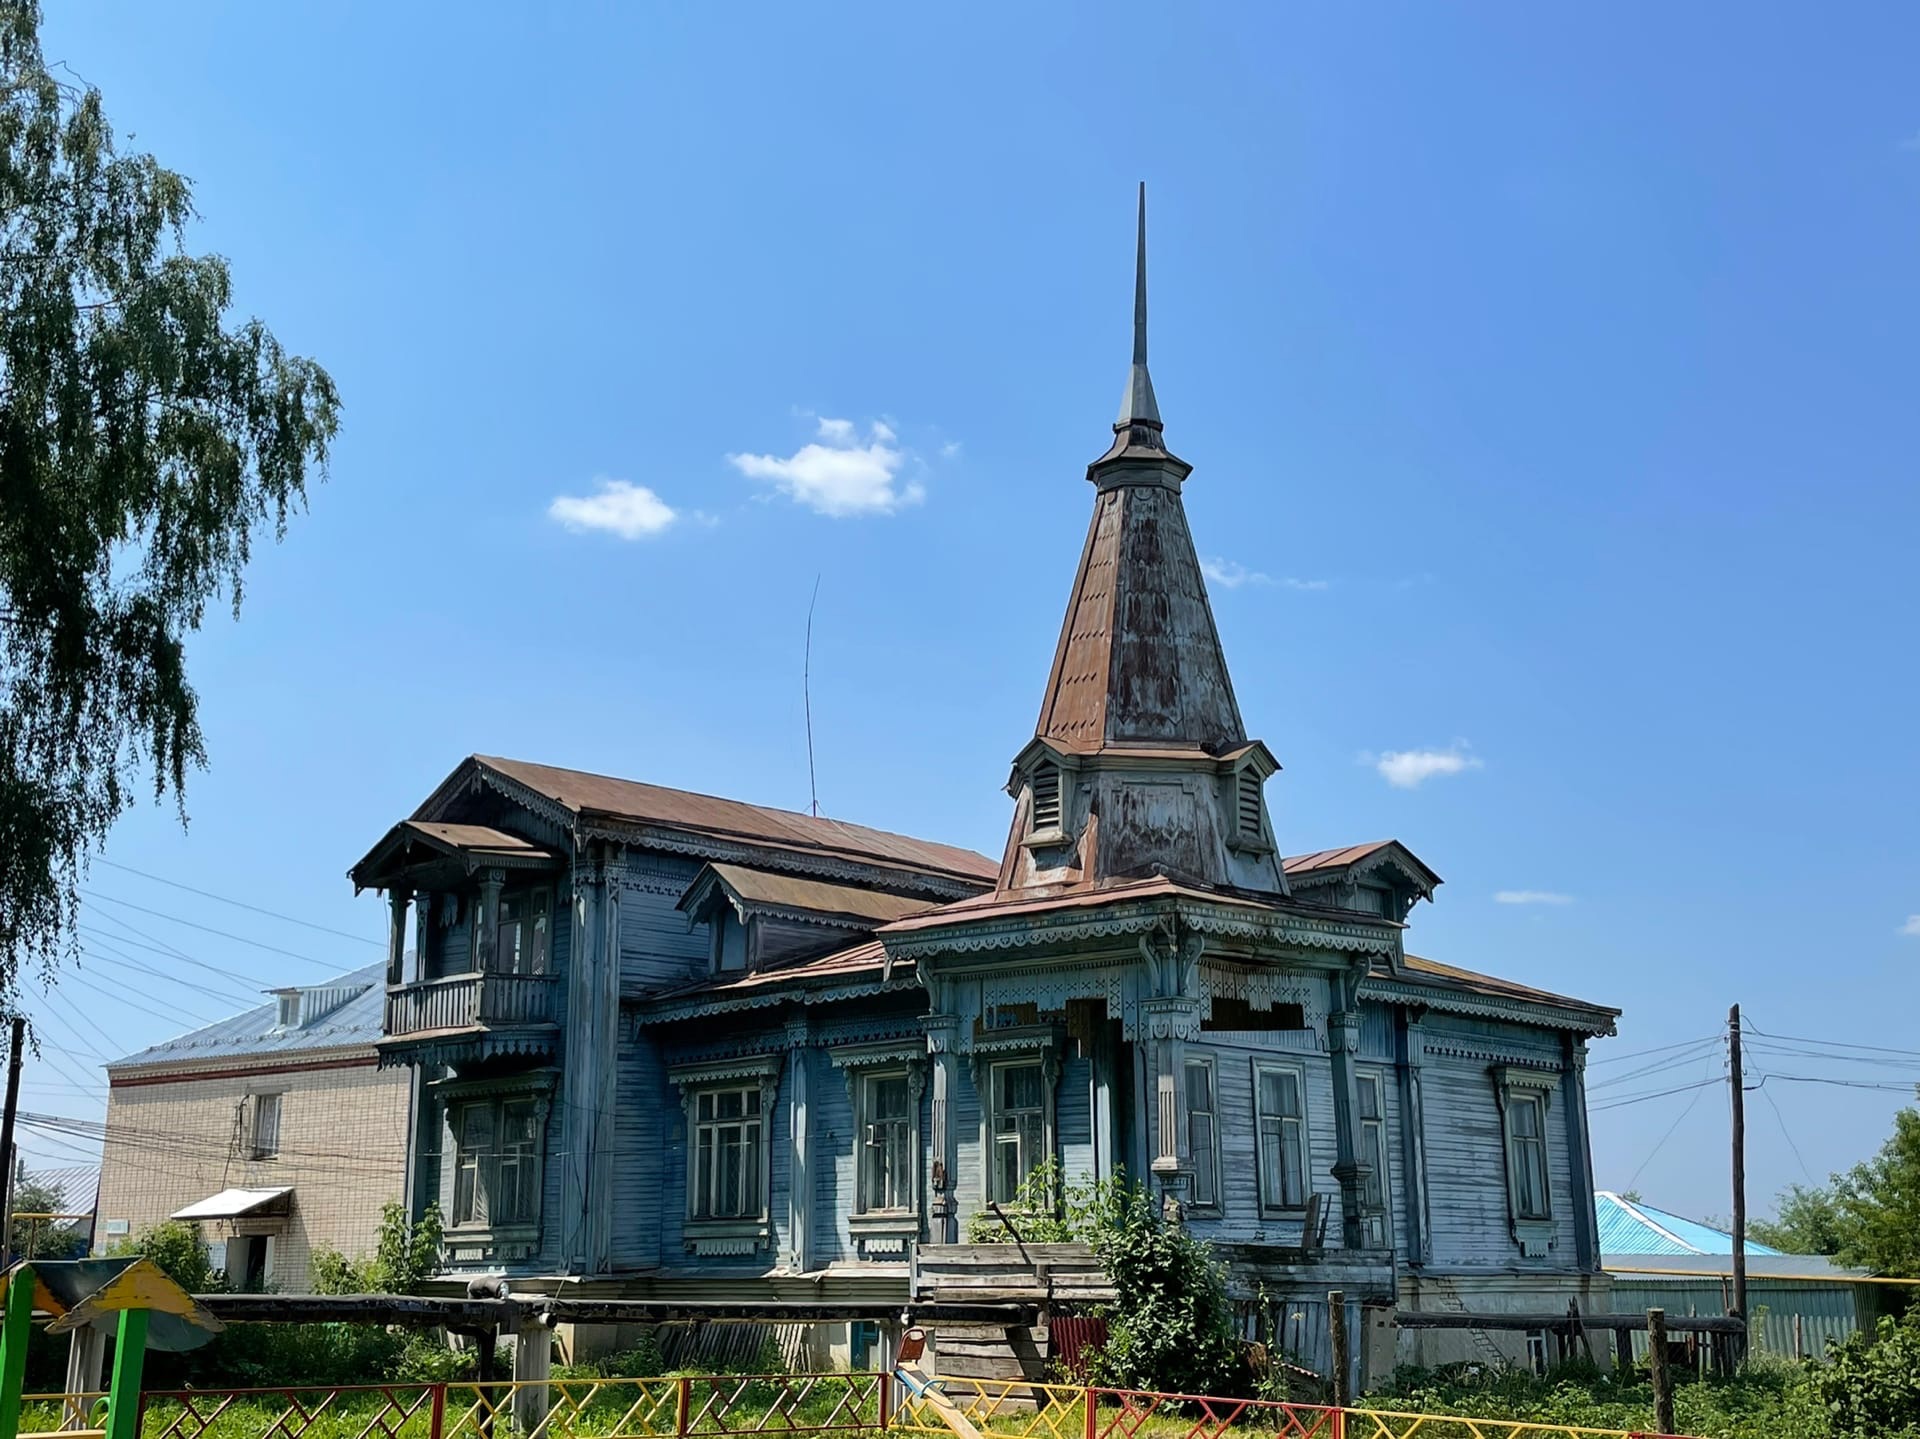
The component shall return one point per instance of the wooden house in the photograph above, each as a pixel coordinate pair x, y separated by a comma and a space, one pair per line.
674, 1045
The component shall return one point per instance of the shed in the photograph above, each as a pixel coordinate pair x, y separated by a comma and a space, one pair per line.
1799, 1303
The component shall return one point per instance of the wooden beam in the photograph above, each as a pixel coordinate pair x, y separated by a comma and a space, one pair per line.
1561, 1324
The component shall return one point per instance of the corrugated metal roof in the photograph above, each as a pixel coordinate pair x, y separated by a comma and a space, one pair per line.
1493, 987
256, 1032
1629, 1227
627, 799
77, 1184
478, 838
232, 1203
841, 964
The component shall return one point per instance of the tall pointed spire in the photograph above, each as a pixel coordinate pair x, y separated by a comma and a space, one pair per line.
1138, 405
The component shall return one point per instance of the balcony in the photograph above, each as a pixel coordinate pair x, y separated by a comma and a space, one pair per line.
467, 1003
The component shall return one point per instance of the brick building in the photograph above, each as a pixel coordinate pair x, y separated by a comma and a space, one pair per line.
275, 1131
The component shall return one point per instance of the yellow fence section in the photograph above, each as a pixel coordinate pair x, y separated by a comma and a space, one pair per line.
828, 1406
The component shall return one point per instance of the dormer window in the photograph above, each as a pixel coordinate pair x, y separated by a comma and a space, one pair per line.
289, 1011
1046, 798
1247, 802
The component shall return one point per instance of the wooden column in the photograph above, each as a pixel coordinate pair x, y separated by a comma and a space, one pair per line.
1342, 1366
580, 1063
1573, 1087
800, 1147
1343, 1038
398, 899
942, 1147
1411, 1042
486, 928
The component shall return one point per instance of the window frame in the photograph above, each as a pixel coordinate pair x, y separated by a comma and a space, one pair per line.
257, 1104
483, 1170
1297, 1071
1377, 1191
1533, 1232
710, 1135
532, 930
708, 1233
1016, 1047
906, 1186
1204, 1063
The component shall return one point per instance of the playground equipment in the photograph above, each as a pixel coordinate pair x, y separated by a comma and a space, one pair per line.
129, 1298
925, 1387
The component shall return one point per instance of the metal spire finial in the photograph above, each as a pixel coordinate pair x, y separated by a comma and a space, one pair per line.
1138, 406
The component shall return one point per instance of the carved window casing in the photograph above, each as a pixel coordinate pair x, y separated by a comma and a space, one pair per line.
523, 938
497, 1135
1016, 1073
1370, 1142
1524, 1098
1280, 1123
1203, 1130
729, 1111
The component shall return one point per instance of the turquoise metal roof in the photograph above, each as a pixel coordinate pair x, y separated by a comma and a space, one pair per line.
1631, 1227
355, 1018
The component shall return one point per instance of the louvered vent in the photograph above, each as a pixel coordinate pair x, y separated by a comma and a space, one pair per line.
1250, 803
1046, 798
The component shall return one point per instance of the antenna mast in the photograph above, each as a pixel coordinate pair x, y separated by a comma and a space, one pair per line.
806, 692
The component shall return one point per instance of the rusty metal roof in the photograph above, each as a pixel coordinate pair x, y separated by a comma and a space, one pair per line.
1332, 858
594, 794
1493, 988
1325, 861
842, 964
478, 839
1139, 660
766, 889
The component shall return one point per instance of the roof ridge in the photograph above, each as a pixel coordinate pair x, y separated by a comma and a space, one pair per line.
1658, 1228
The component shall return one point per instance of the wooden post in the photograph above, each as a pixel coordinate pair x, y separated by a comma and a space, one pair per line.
1737, 1092
1623, 1351
1657, 1364
1342, 1351
532, 1369
6, 1143
129, 1357
1799, 1339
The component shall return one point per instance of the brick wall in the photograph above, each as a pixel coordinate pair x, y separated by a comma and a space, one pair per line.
342, 1148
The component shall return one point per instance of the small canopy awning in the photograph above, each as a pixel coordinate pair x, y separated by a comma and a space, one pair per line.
239, 1204
418, 855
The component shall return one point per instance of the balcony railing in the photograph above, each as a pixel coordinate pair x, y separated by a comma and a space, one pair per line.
469, 1001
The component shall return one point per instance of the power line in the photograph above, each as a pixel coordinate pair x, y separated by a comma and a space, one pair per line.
100, 949
329, 965
1834, 1043
245, 979
1659, 1066
1787, 1135
1623, 1101
1885, 1086
242, 904
1643, 1053
1698, 1089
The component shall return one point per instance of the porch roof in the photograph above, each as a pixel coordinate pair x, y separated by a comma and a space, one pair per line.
467, 846
237, 1204
758, 890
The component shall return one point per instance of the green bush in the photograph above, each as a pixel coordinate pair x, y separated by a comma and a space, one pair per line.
404, 1257
175, 1247
1870, 1386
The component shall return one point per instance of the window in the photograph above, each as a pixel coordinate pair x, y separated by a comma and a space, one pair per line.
1017, 1136
887, 1169
1280, 1116
1247, 811
728, 1135
1527, 1154
1203, 1135
1046, 798
288, 1014
1537, 1351
520, 945
496, 1177
1372, 1116
264, 1126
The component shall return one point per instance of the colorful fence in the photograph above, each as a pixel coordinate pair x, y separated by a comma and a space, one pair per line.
712, 1406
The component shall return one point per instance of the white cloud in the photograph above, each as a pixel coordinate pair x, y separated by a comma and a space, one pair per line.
1531, 896
1231, 574
1410, 768
838, 475
619, 507
950, 450
1912, 926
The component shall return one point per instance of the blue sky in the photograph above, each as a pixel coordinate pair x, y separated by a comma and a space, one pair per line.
1548, 376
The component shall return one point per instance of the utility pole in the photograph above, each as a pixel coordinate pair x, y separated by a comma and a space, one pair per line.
1739, 1174
6, 1138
